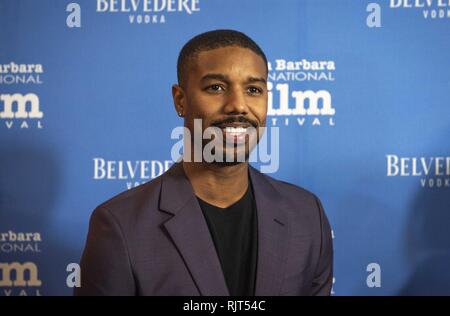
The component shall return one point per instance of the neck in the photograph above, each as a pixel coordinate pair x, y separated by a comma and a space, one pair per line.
216, 184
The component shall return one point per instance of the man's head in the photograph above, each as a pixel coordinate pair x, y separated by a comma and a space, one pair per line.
209, 41
222, 80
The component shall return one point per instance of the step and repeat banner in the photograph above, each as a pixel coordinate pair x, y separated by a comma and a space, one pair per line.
86, 112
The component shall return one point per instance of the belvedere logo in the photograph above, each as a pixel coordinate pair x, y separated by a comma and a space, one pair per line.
434, 172
148, 11
431, 9
133, 173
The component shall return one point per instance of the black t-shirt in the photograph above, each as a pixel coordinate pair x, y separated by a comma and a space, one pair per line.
234, 232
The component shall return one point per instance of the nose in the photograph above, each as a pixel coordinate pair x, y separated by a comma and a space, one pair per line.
236, 102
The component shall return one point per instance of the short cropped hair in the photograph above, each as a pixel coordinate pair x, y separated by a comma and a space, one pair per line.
212, 40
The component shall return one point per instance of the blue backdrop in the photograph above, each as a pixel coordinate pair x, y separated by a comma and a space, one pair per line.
86, 112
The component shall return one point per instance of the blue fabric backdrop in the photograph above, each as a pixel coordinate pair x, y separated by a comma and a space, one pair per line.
380, 163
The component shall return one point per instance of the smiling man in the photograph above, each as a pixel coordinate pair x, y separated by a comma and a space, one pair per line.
212, 227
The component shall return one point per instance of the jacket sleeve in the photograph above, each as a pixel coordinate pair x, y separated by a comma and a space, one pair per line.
105, 263
323, 279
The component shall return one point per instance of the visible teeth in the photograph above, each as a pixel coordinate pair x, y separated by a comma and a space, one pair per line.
229, 129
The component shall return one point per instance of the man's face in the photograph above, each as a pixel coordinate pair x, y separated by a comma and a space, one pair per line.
226, 88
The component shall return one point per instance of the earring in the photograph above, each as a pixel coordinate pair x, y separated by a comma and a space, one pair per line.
179, 114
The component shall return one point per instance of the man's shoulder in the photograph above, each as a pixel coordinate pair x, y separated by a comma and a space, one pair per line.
290, 191
303, 207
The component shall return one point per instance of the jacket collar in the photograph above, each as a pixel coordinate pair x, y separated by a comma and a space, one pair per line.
190, 234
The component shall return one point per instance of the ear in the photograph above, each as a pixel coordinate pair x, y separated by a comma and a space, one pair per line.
179, 99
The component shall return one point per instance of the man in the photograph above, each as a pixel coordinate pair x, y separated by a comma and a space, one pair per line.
212, 228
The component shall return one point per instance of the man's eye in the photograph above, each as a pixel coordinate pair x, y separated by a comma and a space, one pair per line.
254, 90
215, 87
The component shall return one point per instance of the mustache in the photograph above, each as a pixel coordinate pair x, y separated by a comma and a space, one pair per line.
238, 119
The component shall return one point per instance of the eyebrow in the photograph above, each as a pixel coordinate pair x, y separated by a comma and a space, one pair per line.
224, 78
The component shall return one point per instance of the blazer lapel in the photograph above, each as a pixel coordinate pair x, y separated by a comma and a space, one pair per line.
273, 235
190, 233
